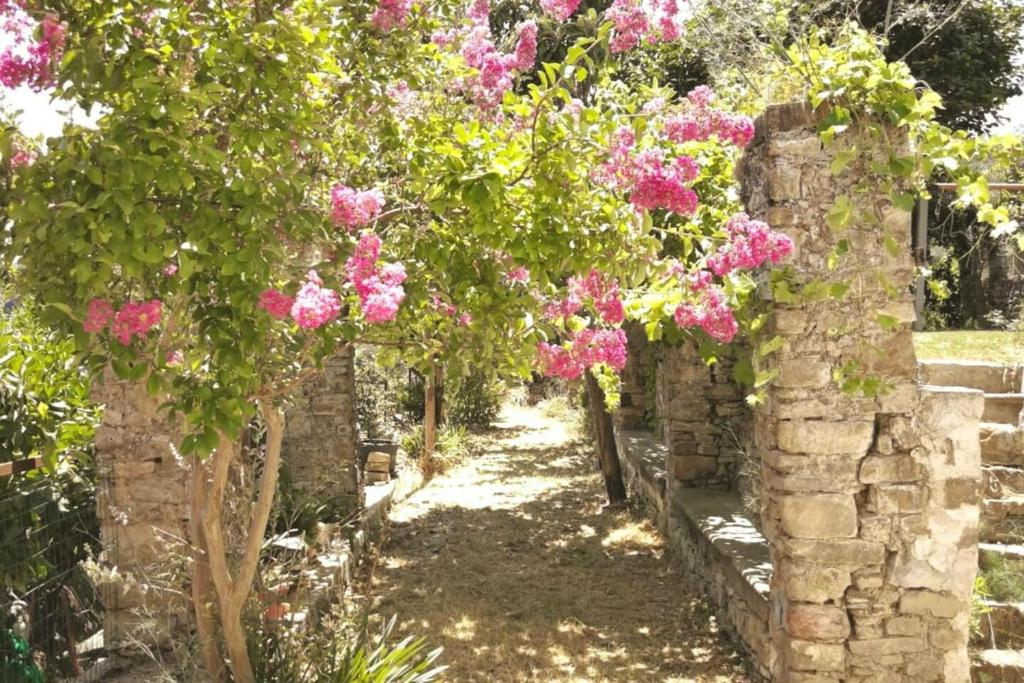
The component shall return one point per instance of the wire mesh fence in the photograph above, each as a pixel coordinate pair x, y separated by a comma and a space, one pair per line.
50, 610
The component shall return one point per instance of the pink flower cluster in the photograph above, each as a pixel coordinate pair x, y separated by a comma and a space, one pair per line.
559, 9
518, 276
700, 122
711, 313
589, 347
136, 319
315, 305
652, 182
603, 294
131, 320
390, 14
750, 244
495, 70
355, 208
22, 156
637, 20
277, 304
379, 287
25, 59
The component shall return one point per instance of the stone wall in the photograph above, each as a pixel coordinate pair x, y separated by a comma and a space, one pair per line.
870, 504
143, 502
703, 417
636, 410
321, 442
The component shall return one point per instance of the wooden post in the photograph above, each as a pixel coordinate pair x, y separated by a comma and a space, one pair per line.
920, 245
607, 452
430, 413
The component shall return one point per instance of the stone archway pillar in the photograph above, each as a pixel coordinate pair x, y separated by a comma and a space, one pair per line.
870, 504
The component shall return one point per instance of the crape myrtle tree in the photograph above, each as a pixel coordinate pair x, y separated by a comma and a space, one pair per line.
271, 180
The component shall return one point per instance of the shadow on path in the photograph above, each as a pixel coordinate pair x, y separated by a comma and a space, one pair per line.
510, 562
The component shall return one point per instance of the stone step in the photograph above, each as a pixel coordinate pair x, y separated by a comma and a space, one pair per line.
1003, 407
991, 377
1001, 444
1002, 520
1002, 482
1002, 626
997, 666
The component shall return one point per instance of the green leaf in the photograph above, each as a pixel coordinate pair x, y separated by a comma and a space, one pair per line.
839, 215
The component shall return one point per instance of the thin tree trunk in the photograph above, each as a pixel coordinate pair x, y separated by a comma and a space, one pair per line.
607, 453
430, 414
232, 592
206, 626
439, 403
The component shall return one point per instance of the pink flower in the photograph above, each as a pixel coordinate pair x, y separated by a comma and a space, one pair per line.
518, 276
98, 315
701, 96
277, 304
479, 11
379, 288
170, 270
526, 46
701, 122
22, 156
315, 305
354, 209
24, 59
465, 319
587, 348
174, 357
390, 14
559, 9
750, 244
712, 314
630, 22
136, 319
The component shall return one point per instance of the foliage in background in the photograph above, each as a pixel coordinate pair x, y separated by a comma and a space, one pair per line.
48, 522
382, 396
474, 401
452, 447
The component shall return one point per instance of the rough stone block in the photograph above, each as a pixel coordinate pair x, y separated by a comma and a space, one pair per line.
811, 656
904, 626
886, 646
796, 373
690, 467
823, 515
810, 582
828, 438
843, 552
890, 469
892, 499
929, 602
817, 622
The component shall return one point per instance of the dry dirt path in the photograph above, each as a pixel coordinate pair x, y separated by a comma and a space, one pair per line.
510, 562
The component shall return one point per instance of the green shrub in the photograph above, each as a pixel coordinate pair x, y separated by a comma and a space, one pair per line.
382, 396
474, 402
451, 447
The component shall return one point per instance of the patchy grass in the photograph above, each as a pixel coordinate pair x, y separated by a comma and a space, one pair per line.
1002, 578
996, 346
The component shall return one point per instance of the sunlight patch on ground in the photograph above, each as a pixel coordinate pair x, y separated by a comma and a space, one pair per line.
633, 536
462, 629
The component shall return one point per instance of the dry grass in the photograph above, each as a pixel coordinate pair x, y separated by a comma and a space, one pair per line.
512, 563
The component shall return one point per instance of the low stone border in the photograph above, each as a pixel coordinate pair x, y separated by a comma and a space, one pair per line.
721, 552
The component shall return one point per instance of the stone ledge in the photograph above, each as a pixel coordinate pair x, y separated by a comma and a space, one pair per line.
741, 548
721, 552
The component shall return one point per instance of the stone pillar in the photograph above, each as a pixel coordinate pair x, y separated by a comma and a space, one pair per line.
703, 417
143, 502
870, 504
321, 442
